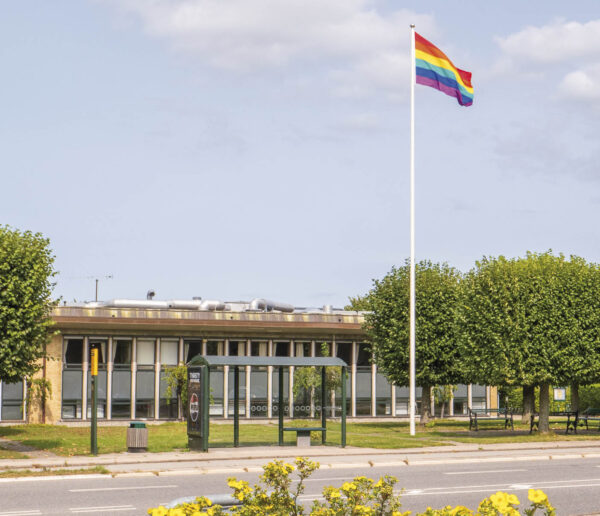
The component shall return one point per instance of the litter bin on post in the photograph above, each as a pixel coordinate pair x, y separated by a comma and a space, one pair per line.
137, 437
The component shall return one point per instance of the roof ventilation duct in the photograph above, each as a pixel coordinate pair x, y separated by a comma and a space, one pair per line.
264, 305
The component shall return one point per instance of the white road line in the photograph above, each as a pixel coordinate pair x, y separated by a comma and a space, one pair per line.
486, 471
107, 508
28, 512
132, 488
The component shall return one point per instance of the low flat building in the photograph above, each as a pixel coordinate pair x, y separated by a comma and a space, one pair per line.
139, 340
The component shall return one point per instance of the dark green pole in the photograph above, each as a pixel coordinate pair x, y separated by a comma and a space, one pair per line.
94, 415
343, 407
205, 406
323, 400
236, 406
280, 406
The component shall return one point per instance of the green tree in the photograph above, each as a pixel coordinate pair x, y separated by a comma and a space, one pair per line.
387, 327
26, 271
523, 322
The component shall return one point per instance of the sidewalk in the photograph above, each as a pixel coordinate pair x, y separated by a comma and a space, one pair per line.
250, 459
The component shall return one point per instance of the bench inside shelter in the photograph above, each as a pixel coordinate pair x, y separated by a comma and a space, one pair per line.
503, 414
201, 366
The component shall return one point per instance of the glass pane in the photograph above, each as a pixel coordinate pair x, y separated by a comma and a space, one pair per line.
72, 384
364, 355
168, 351
344, 351
286, 389
478, 391
191, 349
12, 392
145, 351
282, 349
231, 390
363, 391
101, 345
213, 347
121, 385
122, 352
73, 352
259, 349
302, 349
258, 392
237, 348
383, 390
12, 411
216, 392
144, 385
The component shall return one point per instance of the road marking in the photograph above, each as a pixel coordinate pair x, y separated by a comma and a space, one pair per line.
107, 508
28, 512
486, 471
133, 488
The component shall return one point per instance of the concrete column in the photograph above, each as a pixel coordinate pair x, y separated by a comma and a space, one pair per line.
432, 402
451, 404
313, 349
353, 379
85, 365
373, 389
248, 371
204, 347
1, 403
291, 382
487, 397
393, 387
109, 374
157, 378
225, 381
133, 372
470, 396
270, 382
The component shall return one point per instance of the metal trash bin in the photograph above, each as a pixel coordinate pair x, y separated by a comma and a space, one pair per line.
137, 437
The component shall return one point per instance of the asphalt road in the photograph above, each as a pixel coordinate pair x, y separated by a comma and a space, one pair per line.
573, 486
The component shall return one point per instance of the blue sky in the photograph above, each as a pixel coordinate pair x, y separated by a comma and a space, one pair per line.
233, 149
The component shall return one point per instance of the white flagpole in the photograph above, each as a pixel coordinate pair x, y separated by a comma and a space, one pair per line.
412, 313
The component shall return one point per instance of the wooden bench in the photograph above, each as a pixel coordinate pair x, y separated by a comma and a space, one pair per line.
589, 414
303, 433
571, 421
476, 415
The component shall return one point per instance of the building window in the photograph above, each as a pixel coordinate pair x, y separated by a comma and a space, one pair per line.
72, 378
383, 391
363, 381
101, 345
121, 379
191, 348
12, 401
282, 349
144, 378
168, 358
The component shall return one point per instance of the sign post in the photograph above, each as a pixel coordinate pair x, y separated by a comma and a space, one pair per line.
94, 430
197, 423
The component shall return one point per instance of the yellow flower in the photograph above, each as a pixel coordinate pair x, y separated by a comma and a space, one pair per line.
349, 486
460, 510
537, 496
512, 499
499, 498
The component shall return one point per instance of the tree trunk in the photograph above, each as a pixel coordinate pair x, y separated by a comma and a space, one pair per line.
425, 405
544, 408
575, 397
528, 402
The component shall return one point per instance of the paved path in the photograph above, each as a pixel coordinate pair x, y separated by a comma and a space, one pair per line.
29, 451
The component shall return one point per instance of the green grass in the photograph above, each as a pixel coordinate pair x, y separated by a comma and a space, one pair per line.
66, 441
9, 454
45, 472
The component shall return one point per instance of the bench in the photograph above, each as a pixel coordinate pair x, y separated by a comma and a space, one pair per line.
571, 421
589, 414
303, 433
476, 415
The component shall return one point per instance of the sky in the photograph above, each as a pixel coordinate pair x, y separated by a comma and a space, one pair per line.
233, 149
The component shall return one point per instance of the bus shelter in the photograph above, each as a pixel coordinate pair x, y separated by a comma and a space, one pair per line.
199, 392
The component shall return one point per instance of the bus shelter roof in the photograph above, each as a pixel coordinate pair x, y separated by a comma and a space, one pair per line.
214, 360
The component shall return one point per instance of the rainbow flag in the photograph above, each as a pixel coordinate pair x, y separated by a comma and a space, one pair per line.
434, 69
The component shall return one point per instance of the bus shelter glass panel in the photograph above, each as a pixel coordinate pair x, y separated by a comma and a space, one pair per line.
305, 398
121, 379
242, 391
344, 351
168, 359
363, 381
258, 392
383, 391
12, 401
101, 344
144, 379
216, 391
338, 395
72, 378
286, 392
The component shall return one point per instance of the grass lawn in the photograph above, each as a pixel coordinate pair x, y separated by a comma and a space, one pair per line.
66, 441
9, 454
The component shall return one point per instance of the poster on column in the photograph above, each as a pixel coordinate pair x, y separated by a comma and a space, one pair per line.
194, 408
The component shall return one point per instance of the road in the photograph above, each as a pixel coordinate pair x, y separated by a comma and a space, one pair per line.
573, 485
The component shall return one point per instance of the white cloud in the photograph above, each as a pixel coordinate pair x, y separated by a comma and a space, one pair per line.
582, 85
369, 48
555, 43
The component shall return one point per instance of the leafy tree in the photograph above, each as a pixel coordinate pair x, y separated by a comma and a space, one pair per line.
387, 327
26, 270
523, 322
177, 383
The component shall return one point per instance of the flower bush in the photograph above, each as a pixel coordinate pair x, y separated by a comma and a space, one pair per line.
276, 494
